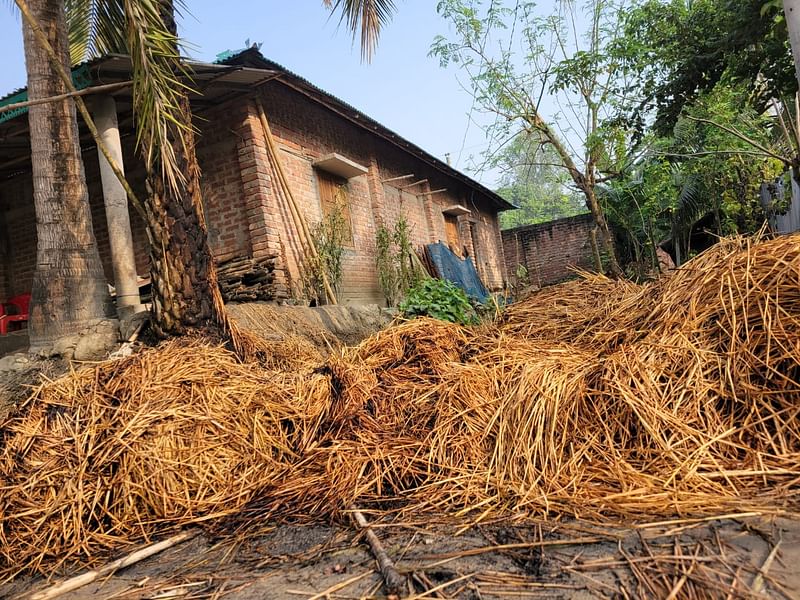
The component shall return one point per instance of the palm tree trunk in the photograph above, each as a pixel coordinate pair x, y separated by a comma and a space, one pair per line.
185, 291
69, 291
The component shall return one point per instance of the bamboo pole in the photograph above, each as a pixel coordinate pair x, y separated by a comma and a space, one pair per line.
79, 581
293, 206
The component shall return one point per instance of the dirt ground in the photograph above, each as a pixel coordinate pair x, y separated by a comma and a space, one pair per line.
736, 557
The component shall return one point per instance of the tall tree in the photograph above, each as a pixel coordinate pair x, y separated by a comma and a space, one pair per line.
532, 180
516, 57
681, 49
69, 291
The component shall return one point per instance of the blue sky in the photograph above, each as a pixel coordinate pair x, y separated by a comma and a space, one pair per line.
402, 88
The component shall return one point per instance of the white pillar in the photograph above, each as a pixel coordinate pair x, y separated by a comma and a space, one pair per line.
115, 199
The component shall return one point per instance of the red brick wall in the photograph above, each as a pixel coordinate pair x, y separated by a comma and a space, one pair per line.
247, 214
223, 183
18, 253
548, 250
19, 248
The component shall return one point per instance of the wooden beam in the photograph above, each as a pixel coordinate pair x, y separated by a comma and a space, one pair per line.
410, 185
397, 178
439, 191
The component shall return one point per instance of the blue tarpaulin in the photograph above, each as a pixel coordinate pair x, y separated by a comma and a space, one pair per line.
460, 271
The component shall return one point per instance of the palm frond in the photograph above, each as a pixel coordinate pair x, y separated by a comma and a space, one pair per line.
138, 28
689, 205
159, 82
95, 27
365, 16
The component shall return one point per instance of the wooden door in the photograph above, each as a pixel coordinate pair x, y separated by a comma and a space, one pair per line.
451, 230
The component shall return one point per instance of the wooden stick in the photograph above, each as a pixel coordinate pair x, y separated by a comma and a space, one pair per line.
340, 586
409, 176
394, 582
516, 546
758, 582
293, 207
95, 89
410, 185
79, 581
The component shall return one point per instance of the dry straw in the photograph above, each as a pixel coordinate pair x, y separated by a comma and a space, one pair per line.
596, 398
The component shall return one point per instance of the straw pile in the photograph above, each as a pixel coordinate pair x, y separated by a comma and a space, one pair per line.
596, 398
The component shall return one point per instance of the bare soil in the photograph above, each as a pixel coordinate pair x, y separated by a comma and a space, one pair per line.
727, 558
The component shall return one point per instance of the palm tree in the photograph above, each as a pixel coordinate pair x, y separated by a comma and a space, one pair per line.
185, 294
69, 289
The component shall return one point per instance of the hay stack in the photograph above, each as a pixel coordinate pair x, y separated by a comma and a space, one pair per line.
172, 435
595, 398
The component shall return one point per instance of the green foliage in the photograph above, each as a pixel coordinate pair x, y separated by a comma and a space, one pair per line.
440, 299
398, 270
329, 236
533, 182
701, 171
682, 50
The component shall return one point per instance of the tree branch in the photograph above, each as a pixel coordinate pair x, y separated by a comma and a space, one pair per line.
787, 161
90, 90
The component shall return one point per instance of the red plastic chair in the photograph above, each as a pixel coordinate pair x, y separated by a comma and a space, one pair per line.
15, 310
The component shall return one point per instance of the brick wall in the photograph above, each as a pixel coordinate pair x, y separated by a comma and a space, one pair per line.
222, 182
247, 214
19, 247
548, 250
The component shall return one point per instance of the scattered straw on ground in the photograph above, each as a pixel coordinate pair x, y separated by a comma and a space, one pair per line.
596, 398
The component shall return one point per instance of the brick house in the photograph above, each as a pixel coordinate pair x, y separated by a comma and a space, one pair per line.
325, 146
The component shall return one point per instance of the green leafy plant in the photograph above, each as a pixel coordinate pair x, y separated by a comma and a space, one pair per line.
441, 300
398, 271
329, 236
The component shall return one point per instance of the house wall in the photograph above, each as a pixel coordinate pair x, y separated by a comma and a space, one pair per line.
18, 227
549, 250
247, 215
18, 247
305, 131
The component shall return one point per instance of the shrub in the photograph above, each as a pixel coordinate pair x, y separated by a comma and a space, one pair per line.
439, 299
398, 268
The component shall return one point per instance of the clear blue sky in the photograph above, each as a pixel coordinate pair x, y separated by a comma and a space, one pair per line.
402, 88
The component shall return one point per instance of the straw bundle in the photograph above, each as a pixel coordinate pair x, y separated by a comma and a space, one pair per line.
595, 398
180, 433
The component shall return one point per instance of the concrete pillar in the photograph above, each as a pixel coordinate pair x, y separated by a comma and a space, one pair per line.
115, 199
